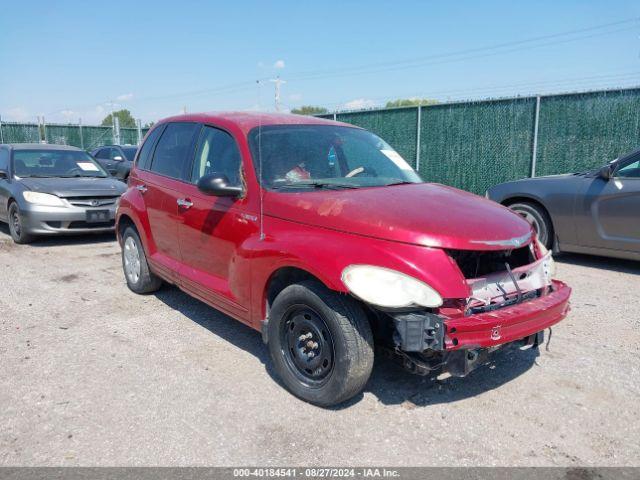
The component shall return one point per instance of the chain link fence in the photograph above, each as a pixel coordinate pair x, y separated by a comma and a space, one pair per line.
86, 137
474, 145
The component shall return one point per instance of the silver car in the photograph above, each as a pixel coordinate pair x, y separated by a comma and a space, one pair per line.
53, 190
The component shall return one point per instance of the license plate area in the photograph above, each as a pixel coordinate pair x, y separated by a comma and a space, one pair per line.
98, 216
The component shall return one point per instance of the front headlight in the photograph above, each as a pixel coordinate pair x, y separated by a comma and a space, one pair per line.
43, 199
388, 288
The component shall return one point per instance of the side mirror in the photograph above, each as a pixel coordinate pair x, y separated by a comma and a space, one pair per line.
4, 174
606, 172
218, 184
117, 158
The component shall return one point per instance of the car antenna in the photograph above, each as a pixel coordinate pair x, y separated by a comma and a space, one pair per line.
260, 187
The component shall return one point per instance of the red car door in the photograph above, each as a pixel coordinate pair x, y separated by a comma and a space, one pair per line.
213, 229
161, 186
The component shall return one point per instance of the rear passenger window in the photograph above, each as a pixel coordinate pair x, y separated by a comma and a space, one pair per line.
144, 159
103, 153
174, 151
217, 153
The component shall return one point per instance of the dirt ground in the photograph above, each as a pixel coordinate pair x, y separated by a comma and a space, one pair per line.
92, 374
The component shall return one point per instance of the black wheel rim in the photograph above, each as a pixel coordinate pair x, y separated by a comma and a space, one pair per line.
307, 345
15, 223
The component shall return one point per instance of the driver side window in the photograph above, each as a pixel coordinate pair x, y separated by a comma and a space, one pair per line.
630, 170
217, 153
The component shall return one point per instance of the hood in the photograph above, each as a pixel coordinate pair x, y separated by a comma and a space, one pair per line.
76, 187
424, 214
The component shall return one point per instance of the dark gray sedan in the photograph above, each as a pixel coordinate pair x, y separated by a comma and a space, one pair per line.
595, 212
116, 159
52, 190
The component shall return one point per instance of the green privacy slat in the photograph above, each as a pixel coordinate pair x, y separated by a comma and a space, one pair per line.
582, 131
20, 132
97, 136
398, 127
476, 145
63, 135
129, 136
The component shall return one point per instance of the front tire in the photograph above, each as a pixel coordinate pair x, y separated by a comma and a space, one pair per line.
539, 220
16, 226
140, 278
320, 343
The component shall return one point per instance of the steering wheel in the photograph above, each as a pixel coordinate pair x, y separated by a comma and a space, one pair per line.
355, 172
74, 171
359, 171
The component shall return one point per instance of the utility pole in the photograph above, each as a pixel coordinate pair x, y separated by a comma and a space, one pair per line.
278, 82
113, 123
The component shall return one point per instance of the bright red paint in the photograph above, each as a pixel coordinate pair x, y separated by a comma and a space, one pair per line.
214, 251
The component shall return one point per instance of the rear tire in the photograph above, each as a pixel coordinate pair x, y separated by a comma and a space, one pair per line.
320, 343
140, 278
16, 226
539, 220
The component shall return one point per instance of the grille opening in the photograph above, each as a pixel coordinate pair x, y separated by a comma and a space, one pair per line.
97, 201
474, 264
75, 225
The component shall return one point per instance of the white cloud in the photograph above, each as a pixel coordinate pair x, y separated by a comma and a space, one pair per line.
17, 114
124, 97
295, 97
358, 104
279, 64
68, 114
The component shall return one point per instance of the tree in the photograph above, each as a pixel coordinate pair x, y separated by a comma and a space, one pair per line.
124, 116
309, 110
410, 102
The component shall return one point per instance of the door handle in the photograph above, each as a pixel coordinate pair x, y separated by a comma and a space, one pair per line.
142, 188
184, 203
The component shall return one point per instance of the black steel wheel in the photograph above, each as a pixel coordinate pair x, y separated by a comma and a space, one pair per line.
320, 342
307, 345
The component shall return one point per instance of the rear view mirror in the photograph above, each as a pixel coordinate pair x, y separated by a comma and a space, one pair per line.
218, 184
606, 172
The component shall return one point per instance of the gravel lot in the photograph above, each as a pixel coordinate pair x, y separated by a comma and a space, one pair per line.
92, 374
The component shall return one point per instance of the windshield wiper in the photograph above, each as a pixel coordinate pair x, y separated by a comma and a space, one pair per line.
315, 184
399, 182
36, 176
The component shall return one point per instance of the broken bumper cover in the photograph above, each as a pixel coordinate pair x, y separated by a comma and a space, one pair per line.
418, 332
508, 324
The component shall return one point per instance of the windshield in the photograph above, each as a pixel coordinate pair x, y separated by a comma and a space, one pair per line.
311, 156
55, 163
129, 152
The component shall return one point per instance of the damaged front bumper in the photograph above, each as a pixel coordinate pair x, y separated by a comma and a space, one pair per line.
429, 341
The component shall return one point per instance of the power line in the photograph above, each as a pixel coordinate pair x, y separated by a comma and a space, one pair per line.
630, 76
408, 64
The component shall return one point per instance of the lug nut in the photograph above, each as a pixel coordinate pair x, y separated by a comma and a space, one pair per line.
311, 354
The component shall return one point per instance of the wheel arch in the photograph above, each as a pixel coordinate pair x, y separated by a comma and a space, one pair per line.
281, 278
507, 202
124, 221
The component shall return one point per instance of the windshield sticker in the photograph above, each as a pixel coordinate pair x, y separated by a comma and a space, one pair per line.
397, 159
88, 167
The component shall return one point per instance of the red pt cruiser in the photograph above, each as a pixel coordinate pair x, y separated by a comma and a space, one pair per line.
322, 237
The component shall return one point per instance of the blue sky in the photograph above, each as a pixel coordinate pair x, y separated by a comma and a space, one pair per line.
67, 60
